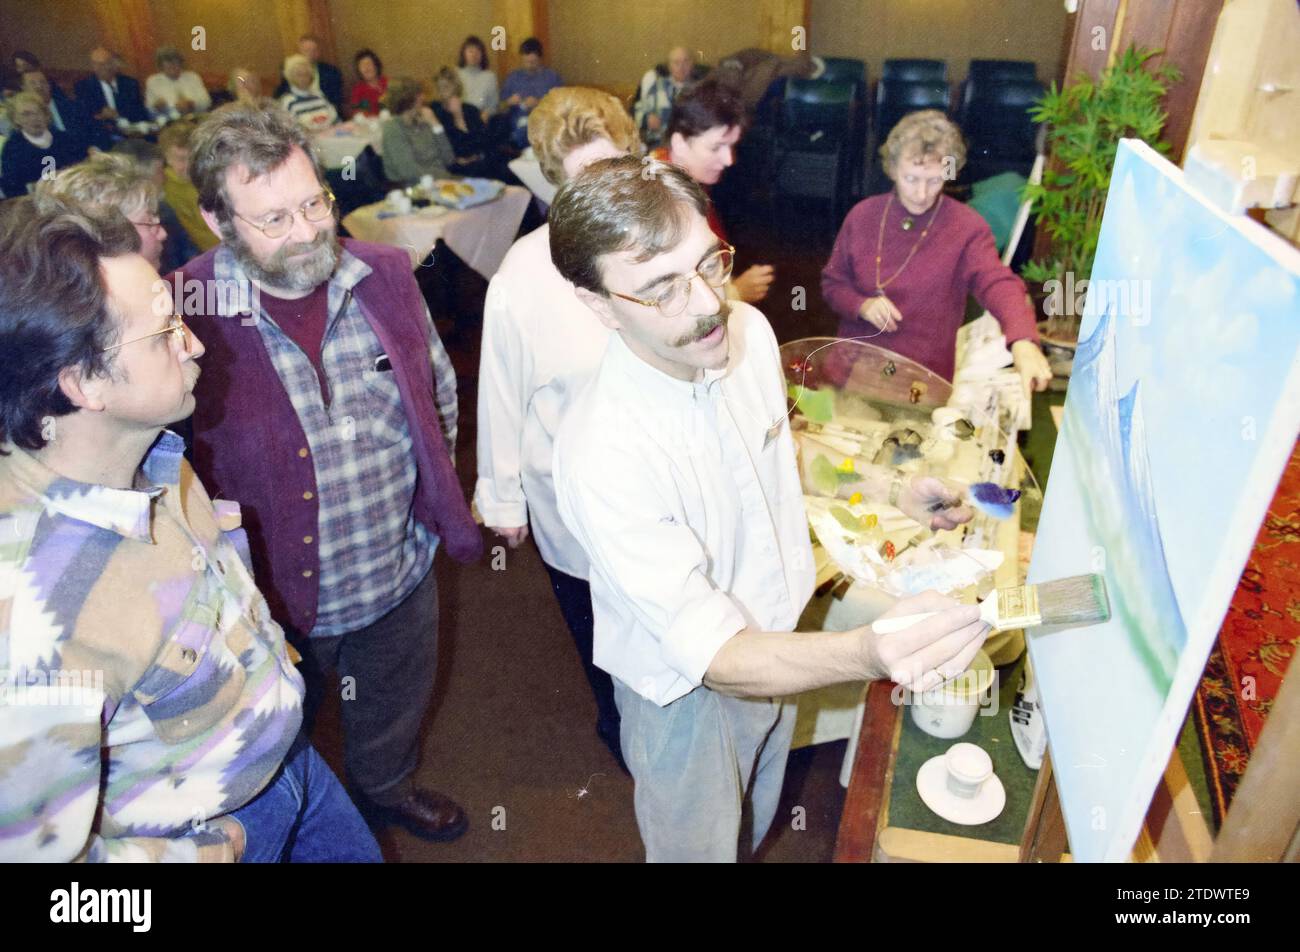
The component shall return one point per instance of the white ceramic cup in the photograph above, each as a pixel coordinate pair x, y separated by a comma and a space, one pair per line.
399, 201
969, 766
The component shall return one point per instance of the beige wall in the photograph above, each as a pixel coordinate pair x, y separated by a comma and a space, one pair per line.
953, 30
61, 32
608, 44
412, 37
238, 33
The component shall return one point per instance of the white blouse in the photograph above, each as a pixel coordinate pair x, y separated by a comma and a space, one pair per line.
480, 88
541, 345
187, 86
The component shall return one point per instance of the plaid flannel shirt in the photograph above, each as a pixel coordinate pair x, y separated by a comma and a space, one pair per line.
373, 551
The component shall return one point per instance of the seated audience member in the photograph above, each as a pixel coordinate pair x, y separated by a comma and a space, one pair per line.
326, 78
306, 104
415, 144
106, 185
177, 246
480, 82
706, 123
173, 731
66, 116
466, 131
524, 88
33, 149
244, 85
540, 347
177, 188
659, 88
371, 83
111, 98
174, 91
19, 62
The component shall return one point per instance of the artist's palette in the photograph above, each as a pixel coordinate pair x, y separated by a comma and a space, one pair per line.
933, 783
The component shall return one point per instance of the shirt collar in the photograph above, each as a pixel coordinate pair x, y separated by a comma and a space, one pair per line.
652, 378
128, 512
346, 276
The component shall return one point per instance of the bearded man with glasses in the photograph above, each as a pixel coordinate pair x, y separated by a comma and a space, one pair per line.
329, 411
675, 471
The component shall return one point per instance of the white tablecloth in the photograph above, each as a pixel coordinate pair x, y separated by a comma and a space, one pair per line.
480, 236
347, 140
530, 173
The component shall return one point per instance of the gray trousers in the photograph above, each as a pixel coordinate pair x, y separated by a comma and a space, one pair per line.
391, 663
708, 770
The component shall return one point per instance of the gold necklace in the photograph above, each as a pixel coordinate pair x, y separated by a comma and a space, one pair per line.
880, 243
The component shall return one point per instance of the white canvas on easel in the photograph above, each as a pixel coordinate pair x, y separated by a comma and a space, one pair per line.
1182, 411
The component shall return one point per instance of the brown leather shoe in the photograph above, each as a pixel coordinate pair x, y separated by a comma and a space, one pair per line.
429, 815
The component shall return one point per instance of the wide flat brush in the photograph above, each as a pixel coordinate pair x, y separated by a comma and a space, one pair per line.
1074, 601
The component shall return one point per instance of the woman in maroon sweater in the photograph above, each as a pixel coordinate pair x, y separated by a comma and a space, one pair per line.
905, 261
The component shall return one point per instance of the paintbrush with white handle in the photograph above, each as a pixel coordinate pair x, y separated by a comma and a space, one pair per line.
1078, 600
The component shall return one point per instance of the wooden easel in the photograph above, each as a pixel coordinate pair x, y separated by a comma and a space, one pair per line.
1262, 825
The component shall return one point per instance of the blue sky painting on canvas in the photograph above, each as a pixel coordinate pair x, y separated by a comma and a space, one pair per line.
1183, 407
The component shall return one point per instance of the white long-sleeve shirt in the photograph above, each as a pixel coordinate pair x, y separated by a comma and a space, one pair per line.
686, 499
186, 86
541, 345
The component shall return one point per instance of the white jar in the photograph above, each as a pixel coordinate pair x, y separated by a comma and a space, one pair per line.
949, 710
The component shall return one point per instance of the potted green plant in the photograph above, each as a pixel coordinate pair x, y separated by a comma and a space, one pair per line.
1085, 121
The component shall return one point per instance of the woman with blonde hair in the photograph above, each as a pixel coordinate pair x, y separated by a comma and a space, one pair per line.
244, 85
466, 130
541, 345
304, 101
34, 147
905, 261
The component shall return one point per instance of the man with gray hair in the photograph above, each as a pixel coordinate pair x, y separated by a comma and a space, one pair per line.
175, 91
675, 470
659, 87
110, 96
329, 411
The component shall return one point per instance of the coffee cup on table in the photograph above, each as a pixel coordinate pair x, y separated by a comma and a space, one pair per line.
399, 201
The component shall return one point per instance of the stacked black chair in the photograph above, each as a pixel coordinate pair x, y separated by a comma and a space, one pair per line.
843, 70
985, 73
813, 142
1000, 134
914, 70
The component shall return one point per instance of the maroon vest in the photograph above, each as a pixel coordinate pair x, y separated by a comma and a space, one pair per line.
249, 444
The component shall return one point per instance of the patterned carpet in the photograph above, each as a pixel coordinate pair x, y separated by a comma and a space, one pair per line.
1259, 637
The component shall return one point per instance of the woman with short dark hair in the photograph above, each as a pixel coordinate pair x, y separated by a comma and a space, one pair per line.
707, 121
371, 84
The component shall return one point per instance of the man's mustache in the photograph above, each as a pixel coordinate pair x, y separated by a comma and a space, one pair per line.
704, 327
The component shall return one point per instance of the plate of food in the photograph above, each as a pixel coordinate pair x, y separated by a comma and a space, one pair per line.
464, 193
